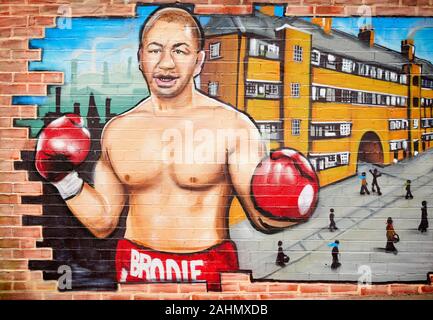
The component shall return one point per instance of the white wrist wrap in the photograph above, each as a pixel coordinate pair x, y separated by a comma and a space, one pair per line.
69, 186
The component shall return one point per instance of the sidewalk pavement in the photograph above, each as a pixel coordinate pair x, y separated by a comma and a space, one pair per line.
361, 221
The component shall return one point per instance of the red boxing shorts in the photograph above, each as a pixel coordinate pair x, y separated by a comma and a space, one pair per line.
135, 263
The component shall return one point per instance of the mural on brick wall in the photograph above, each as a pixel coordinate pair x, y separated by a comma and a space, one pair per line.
184, 146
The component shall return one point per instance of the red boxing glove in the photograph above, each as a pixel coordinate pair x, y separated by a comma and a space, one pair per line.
285, 186
62, 145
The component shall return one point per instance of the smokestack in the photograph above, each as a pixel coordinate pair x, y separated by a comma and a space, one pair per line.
324, 23
128, 70
74, 71
77, 108
366, 34
105, 77
107, 109
408, 49
58, 96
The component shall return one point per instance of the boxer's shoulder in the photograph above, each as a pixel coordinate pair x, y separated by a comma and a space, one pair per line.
129, 118
233, 118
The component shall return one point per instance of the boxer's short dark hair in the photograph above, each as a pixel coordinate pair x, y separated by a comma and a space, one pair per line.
174, 14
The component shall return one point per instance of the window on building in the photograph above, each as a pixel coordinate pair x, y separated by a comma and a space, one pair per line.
415, 80
338, 93
403, 79
213, 89
345, 129
315, 57
359, 97
368, 98
415, 123
295, 90
378, 99
297, 53
346, 96
387, 75
261, 90
379, 73
415, 102
215, 50
330, 130
367, 70
272, 91
251, 89
326, 161
393, 101
254, 47
296, 127
331, 62
270, 130
347, 65
361, 68
373, 72
322, 93
394, 76
332, 158
314, 95
344, 158
260, 48
273, 51
330, 94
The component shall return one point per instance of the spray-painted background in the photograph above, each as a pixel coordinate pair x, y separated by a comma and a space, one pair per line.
352, 94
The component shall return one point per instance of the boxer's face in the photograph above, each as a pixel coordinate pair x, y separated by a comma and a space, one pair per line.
169, 58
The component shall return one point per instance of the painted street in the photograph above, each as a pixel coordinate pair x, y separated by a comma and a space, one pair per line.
361, 221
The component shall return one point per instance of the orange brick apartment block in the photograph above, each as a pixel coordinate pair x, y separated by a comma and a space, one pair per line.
337, 98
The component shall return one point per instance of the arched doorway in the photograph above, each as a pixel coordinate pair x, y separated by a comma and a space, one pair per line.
370, 149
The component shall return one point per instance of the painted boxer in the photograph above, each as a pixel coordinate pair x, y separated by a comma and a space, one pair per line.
179, 157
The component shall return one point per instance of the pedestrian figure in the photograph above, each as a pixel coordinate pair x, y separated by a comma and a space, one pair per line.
332, 225
363, 184
335, 252
408, 192
391, 237
424, 220
376, 174
282, 258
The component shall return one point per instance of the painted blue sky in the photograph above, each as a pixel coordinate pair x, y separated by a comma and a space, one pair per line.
93, 41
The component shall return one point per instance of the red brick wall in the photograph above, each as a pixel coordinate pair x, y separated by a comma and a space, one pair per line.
21, 20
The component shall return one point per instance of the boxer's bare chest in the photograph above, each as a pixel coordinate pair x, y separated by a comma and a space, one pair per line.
145, 151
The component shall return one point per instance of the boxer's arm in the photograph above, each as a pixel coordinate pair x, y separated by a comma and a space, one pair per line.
243, 159
99, 207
